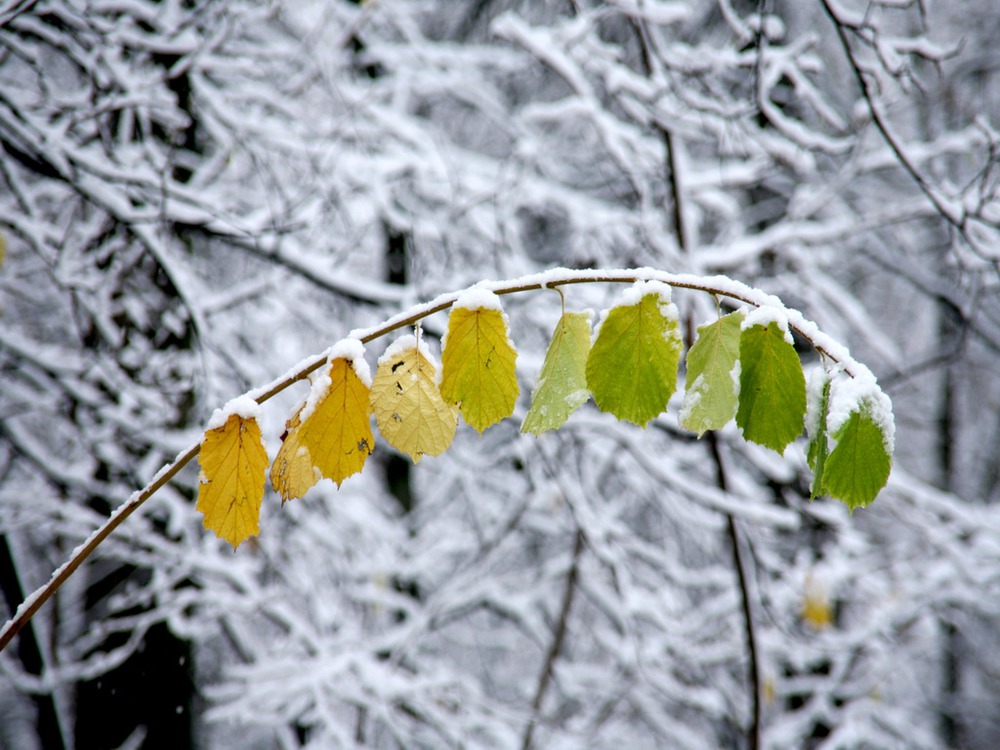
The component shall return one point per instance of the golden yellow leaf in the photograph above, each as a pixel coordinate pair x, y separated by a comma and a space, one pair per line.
292, 473
409, 410
478, 361
330, 435
338, 434
231, 487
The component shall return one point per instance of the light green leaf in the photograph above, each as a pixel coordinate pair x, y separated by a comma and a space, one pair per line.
772, 400
632, 367
478, 364
711, 397
859, 465
818, 450
562, 384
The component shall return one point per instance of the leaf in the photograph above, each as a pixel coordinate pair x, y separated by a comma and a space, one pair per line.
478, 363
772, 401
632, 367
562, 383
333, 440
409, 410
859, 465
233, 467
292, 473
816, 611
818, 450
711, 396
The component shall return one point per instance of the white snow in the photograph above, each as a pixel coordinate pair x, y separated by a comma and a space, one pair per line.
353, 351
477, 298
764, 316
243, 406
861, 394
816, 378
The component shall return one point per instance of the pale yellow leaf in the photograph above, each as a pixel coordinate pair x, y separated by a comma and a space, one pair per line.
409, 410
233, 467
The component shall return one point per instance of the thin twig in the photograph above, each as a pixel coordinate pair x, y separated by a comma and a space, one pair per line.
958, 222
753, 668
558, 636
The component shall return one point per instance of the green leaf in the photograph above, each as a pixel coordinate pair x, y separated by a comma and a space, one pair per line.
478, 362
859, 465
711, 397
562, 384
772, 400
632, 367
818, 449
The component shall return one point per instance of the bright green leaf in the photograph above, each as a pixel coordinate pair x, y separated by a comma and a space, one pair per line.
859, 465
632, 367
562, 384
478, 364
711, 397
772, 401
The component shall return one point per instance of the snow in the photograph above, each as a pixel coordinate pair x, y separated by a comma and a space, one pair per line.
243, 406
477, 298
764, 316
353, 351
692, 397
861, 394
318, 388
816, 378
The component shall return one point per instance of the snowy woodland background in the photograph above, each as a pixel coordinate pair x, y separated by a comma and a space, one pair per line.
196, 194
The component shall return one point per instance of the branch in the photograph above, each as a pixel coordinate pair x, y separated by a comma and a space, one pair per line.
753, 668
558, 636
718, 286
956, 220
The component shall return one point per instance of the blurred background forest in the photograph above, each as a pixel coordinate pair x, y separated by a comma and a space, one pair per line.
196, 194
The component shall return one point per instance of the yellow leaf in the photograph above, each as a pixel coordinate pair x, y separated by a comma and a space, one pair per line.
233, 467
292, 473
478, 360
816, 610
409, 410
330, 435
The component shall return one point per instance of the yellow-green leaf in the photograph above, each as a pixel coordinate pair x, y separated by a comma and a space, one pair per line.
409, 410
859, 465
632, 367
231, 484
772, 402
478, 360
562, 384
712, 392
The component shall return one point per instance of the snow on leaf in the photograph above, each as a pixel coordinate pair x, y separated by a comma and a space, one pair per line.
409, 410
562, 383
632, 367
478, 363
858, 467
233, 466
711, 397
772, 401
818, 451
